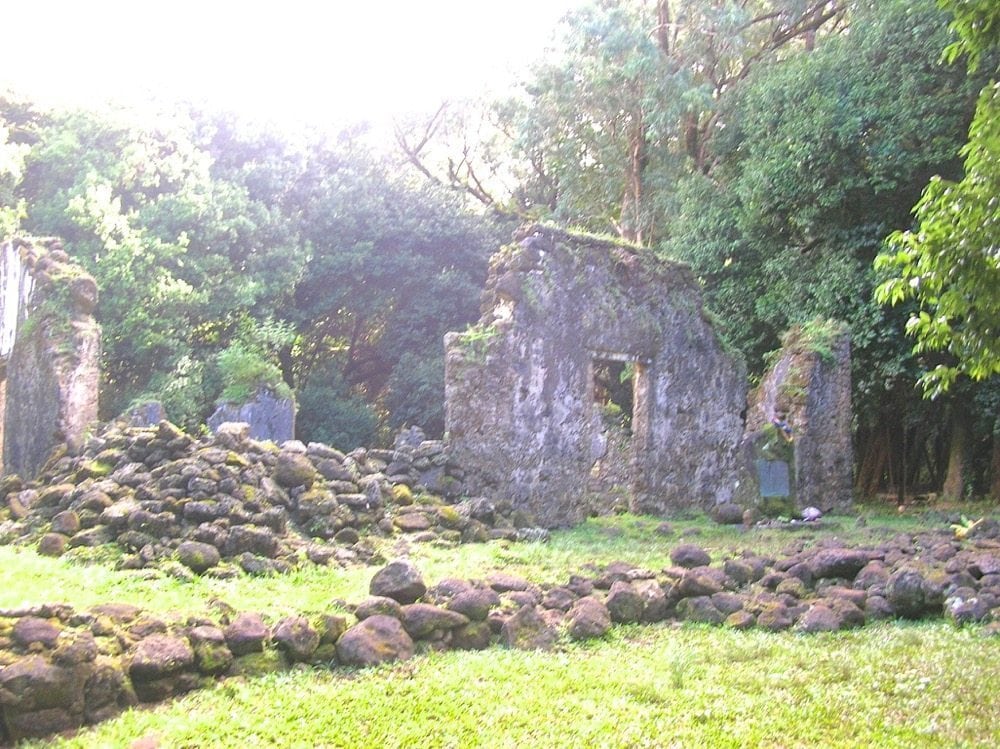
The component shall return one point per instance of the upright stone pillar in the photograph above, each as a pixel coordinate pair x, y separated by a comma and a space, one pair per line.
801, 414
50, 349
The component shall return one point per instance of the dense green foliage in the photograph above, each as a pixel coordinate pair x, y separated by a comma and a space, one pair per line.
755, 140
11, 169
951, 263
822, 158
231, 259
771, 144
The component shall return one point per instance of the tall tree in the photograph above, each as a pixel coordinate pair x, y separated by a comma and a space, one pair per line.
393, 266
12, 156
105, 183
950, 264
230, 257
627, 106
821, 157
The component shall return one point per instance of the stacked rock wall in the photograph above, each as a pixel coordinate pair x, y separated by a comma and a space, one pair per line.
227, 501
61, 668
51, 351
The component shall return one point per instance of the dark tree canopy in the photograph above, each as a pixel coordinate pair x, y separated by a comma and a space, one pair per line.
950, 264
231, 258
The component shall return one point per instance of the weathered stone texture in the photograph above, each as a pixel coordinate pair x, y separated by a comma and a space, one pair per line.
270, 417
809, 388
522, 418
51, 370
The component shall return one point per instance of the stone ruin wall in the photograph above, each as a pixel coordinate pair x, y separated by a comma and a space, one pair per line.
810, 390
523, 421
49, 361
521, 415
522, 418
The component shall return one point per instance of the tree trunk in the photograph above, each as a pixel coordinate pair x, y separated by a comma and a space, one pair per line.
631, 223
873, 464
995, 469
954, 481
287, 364
664, 28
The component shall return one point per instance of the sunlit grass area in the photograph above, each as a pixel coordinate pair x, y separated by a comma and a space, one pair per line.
84, 581
886, 685
890, 685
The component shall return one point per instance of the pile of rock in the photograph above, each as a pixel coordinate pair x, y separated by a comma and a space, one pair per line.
159, 492
833, 587
60, 669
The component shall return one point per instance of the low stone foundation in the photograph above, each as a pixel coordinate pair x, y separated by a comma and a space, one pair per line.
61, 669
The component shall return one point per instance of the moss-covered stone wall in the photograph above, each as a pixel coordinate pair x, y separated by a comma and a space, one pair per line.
51, 371
522, 414
808, 391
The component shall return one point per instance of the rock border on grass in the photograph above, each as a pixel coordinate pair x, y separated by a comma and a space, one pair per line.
61, 669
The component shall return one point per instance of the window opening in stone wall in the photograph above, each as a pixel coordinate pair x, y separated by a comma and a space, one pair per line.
614, 392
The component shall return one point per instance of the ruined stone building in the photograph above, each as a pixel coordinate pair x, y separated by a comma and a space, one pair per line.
594, 381
594, 376
49, 353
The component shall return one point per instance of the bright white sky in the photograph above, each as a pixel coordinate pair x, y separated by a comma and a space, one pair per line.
304, 61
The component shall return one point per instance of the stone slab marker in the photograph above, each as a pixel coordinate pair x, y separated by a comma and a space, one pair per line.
269, 416
50, 348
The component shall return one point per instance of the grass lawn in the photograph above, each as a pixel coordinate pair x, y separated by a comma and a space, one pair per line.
891, 684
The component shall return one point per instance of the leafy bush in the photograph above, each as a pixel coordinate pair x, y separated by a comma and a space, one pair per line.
250, 363
817, 336
182, 392
329, 412
416, 393
245, 371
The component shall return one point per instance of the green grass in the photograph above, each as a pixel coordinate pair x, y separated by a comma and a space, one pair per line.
43, 580
887, 685
84, 581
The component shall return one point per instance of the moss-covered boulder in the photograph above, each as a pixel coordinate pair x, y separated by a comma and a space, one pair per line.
294, 469
198, 557
378, 639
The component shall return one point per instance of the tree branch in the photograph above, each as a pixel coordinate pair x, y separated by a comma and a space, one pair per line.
413, 153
